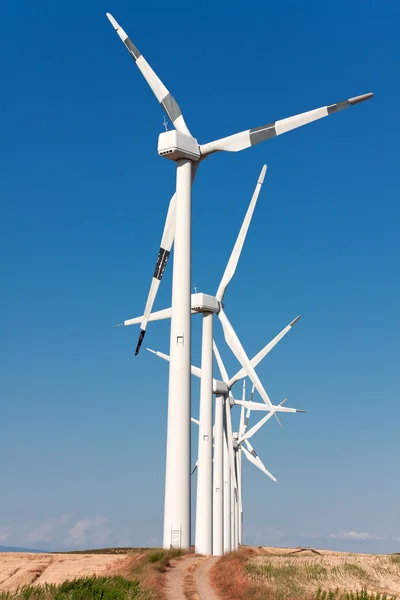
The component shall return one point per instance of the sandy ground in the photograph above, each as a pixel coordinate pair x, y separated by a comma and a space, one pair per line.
189, 578
17, 569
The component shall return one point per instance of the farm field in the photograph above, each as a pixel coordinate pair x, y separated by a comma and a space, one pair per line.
283, 574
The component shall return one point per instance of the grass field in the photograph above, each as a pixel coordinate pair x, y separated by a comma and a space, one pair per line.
137, 576
276, 574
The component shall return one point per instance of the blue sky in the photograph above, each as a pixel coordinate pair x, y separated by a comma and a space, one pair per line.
84, 197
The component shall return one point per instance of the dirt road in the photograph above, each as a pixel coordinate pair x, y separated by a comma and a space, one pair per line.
189, 579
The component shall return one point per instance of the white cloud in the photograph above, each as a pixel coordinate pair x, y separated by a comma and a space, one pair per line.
358, 536
89, 531
4, 533
47, 531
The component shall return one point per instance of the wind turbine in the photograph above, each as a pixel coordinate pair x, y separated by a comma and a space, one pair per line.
181, 147
208, 305
224, 399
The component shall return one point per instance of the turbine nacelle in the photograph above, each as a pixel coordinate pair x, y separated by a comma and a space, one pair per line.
177, 146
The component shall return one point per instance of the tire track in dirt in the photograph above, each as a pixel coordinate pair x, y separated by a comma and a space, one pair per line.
189, 579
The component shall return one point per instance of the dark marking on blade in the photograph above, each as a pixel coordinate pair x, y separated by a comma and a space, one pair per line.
161, 263
265, 132
132, 49
246, 421
171, 107
338, 106
140, 340
254, 453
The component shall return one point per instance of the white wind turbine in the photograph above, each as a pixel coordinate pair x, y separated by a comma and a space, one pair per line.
241, 445
209, 305
181, 147
224, 460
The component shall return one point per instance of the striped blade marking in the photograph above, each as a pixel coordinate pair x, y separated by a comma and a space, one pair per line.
245, 139
162, 94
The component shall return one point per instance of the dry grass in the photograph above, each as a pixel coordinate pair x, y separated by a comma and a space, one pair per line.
230, 578
43, 575
288, 575
148, 569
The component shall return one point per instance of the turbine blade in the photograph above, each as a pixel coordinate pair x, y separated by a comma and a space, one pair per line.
194, 370
163, 254
162, 259
237, 249
254, 453
155, 316
234, 343
241, 422
257, 464
279, 422
255, 427
220, 363
194, 468
259, 406
263, 353
245, 139
229, 441
196, 421
164, 97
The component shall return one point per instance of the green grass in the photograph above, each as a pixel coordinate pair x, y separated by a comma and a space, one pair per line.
273, 573
104, 588
341, 595
355, 571
395, 559
162, 558
89, 588
315, 572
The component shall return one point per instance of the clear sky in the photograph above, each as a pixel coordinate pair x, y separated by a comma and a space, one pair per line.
84, 197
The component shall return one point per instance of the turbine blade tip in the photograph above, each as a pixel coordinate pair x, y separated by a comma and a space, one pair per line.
262, 174
119, 325
112, 21
295, 320
152, 351
362, 98
140, 340
301, 411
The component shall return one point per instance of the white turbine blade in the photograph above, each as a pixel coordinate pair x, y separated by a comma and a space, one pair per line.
248, 434
164, 97
220, 363
241, 422
194, 370
196, 421
254, 454
237, 249
155, 316
279, 421
234, 343
229, 440
259, 357
257, 464
245, 139
259, 406
163, 254
246, 420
